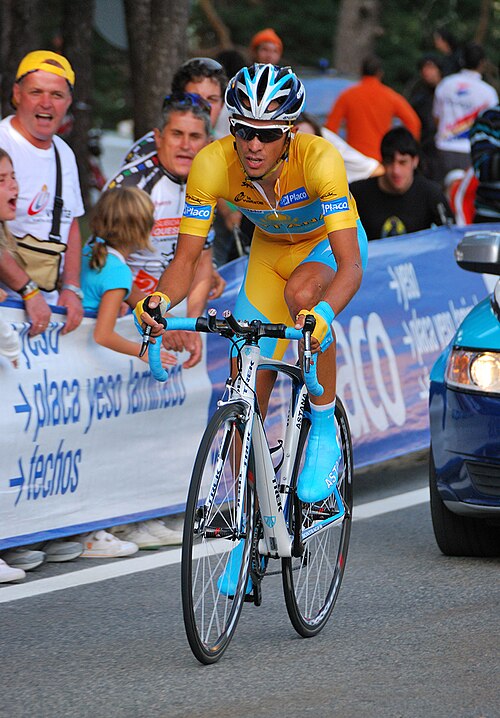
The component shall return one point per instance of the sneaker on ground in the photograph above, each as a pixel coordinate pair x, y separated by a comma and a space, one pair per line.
9, 573
168, 535
102, 544
228, 582
175, 522
23, 558
139, 533
61, 550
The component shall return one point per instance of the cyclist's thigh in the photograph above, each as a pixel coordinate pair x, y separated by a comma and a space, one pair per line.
323, 254
262, 293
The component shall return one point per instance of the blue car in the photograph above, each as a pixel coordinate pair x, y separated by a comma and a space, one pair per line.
464, 473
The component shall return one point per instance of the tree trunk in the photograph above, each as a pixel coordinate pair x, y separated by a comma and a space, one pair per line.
357, 29
20, 35
77, 32
484, 20
157, 32
220, 29
138, 22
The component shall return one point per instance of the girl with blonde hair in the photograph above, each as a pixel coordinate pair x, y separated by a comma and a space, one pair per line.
121, 223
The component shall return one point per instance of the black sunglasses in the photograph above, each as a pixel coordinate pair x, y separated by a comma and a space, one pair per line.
183, 100
263, 134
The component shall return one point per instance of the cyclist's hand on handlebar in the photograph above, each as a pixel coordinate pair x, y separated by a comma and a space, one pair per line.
324, 315
144, 309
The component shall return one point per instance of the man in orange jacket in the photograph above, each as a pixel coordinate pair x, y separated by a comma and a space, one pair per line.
368, 110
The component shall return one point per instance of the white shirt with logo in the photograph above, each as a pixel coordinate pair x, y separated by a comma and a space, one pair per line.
458, 99
36, 175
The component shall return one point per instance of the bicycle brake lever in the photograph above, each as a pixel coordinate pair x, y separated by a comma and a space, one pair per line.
308, 328
155, 313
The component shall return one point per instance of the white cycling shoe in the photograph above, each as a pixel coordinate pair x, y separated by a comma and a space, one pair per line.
319, 475
228, 582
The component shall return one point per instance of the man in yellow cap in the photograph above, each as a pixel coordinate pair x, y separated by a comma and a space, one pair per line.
41, 96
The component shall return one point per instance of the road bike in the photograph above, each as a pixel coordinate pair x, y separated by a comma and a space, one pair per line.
242, 504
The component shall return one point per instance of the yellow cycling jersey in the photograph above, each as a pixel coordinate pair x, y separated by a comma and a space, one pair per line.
312, 194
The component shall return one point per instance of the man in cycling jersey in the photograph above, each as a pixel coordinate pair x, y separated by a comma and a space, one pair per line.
309, 247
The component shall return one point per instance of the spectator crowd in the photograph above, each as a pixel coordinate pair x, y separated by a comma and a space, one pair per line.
412, 162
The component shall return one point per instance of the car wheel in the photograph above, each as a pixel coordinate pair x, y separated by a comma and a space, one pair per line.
460, 535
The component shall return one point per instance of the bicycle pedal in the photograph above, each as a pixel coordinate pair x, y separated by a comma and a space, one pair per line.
255, 596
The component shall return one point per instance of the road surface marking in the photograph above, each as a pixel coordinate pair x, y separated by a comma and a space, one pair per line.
82, 577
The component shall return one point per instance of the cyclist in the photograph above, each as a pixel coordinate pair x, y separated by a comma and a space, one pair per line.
309, 247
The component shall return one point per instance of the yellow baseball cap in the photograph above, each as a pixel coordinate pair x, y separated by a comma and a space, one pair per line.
47, 61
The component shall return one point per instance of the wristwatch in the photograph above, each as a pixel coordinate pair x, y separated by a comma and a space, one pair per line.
75, 289
30, 287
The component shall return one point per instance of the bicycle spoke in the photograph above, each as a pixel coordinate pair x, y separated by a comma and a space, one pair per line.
312, 582
211, 534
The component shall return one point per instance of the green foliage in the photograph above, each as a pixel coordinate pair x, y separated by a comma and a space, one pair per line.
408, 28
112, 85
307, 33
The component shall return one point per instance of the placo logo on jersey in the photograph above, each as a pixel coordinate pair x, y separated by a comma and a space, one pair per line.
337, 205
194, 211
296, 195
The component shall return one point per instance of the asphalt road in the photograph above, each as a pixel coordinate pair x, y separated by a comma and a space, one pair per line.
414, 634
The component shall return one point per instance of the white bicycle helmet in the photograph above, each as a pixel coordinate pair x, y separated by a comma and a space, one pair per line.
253, 89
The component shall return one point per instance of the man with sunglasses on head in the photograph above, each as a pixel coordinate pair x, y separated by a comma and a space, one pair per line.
206, 78
309, 247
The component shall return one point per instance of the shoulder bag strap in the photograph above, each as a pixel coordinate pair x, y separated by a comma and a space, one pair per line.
58, 201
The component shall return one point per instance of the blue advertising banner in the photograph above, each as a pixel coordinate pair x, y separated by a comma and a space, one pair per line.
88, 439
412, 299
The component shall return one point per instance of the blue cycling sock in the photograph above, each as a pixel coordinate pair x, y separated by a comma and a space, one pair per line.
228, 582
320, 472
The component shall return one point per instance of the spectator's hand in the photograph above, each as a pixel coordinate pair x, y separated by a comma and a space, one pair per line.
124, 309
74, 310
232, 219
166, 358
38, 312
218, 285
178, 341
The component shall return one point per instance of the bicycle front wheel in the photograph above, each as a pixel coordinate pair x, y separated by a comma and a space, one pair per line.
311, 583
211, 607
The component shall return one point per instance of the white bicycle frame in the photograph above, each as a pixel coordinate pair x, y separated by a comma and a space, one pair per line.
277, 541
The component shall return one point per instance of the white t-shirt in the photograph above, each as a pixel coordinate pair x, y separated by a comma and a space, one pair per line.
358, 166
36, 174
458, 99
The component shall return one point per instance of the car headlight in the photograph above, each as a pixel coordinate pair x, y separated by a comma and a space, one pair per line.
473, 370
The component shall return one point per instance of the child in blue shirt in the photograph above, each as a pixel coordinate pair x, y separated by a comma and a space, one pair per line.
121, 223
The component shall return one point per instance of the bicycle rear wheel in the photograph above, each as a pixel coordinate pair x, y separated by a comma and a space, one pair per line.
211, 533
311, 583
